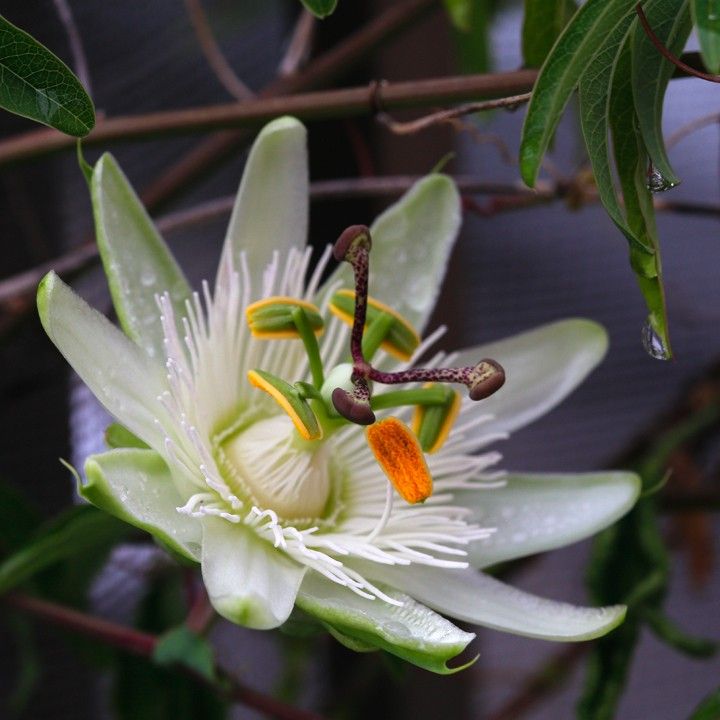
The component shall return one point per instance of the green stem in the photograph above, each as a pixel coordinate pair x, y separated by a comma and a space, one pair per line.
375, 333
311, 346
417, 396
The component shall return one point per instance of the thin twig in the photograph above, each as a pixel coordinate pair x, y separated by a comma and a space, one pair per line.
213, 54
80, 257
306, 106
444, 116
300, 45
143, 644
691, 127
676, 61
80, 63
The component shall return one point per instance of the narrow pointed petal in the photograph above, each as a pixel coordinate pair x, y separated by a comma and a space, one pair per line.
410, 631
136, 486
249, 581
542, 367
137, 262
411, 244
271, 208
534, 513
480, 599
118, 372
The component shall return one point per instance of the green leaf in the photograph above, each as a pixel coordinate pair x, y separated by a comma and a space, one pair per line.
709, 708
181, 646
460, 13
137, 262
76, 530
320, 8
631, 161
27, 663
543, 21
706, 18
667, 631
670, 21
594, 94
36, 84
569, 58
17, 518
471, 32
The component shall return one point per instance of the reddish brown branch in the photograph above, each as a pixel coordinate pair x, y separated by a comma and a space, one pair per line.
676, 61
213, 54
307, 106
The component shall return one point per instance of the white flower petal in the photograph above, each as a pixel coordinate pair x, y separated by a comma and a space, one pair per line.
118, 372
477, 598
542, 367
136, 486
534, 513
411, 244
271, 208
137, 262
410, 631
249, 582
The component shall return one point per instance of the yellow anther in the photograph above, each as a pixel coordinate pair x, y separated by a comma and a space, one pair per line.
271, 318
432, 423
399, 454
288, 398
402, 338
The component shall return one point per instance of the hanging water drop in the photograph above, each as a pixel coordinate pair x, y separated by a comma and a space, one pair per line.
657, 182
653, 343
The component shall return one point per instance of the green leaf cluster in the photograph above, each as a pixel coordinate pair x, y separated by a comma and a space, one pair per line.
630, 564
621, 80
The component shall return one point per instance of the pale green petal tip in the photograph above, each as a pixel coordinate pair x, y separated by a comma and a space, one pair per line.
286, 123
616, 616
594, 334
45, 288
247, 611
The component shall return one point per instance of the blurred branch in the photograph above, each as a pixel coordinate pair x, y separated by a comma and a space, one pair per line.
143, 644
548, 679
298, 49
213, 54
80, 64
306, 106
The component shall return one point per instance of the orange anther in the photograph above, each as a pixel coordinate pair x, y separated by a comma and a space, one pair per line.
399, 454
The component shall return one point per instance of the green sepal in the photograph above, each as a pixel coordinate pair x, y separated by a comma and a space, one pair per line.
118, 436
181, 646
276, 318
98, 490
398, 335
412, 631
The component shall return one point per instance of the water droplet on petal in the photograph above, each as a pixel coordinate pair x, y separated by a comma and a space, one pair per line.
657, 182
653, 343
147, 277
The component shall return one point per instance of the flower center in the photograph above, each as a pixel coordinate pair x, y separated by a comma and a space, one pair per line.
267, 463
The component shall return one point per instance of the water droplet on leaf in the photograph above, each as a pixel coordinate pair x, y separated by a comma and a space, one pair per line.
657, 182
653, 343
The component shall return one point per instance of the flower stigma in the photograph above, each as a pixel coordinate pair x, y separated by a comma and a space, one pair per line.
345, 395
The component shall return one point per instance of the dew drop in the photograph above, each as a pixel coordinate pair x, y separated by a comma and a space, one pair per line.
653, 343
657, 182
147, 277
